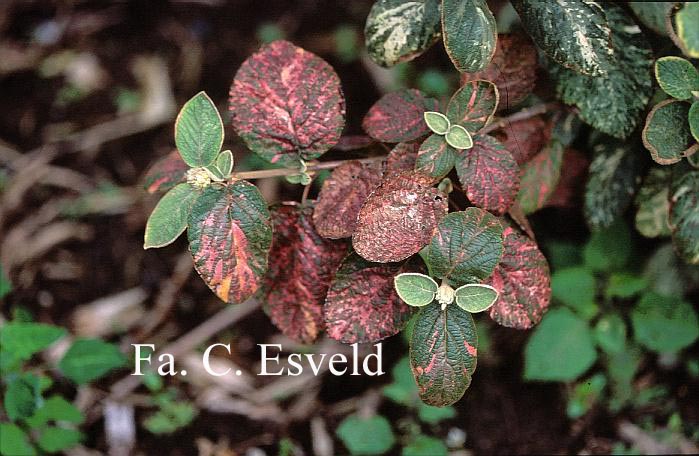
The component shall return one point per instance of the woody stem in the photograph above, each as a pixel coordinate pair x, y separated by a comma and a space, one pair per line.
312, 168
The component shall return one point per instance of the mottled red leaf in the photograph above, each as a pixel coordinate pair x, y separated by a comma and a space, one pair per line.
525, 138
342, 196
398, 116
539, 177
287, 104
399, 218
571, 185
522, 278
165, 173
512, 69
229, 234
362, 304
489, 175
401, 158
300, 271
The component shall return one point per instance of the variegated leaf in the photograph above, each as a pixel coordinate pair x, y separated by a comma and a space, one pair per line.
523, 280
362, 305
300, 272
512, 69
473, 105
524, 138
489, 175
398, 116
287, 104
399, 218
165, 173
684, 216
400, 30
402, 158
539, 177
435, 157
653, 202
573, 33
667, 135
470, 33
229, 234
342, 196
443, 351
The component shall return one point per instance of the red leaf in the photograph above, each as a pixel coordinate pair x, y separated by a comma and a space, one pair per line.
512, 69
342, 196
287, 104
539, 177
398, 116
229, 234
299, 274
525, 138
401, 158
571, 184
522, 278
362, 305
473, 105
489, 175
399, 218
165, 173
353, 142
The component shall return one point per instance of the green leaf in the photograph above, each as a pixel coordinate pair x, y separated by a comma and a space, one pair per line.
610, 333
169, 218
22, 397
622, 368
572, 33
466, 247
684, 216
19, 341
5, 284
437, 122
612, 103
430, 414
653, 201
415, 289
575, 287
214, 173
423, 445
473, 105
475, 297
585, 395
55, 439
224, 163
14, 442
56, 408
443, 351
366, 436
624, 285
199, 131
230, 235
667, 135
470, 33
561, 348
400, 30
693, 118
677, 77
403, 389
608, 249
89, 359
435, 157
614, 176
664, 324
653, 14
459, 138
686, 21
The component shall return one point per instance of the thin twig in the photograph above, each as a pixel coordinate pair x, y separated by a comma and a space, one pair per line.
306, 189
312, 168
524, 114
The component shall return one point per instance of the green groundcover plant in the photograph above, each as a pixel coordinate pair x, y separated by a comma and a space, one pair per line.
436, 230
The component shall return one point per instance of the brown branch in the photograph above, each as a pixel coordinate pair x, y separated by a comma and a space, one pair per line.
524, 114
312, 168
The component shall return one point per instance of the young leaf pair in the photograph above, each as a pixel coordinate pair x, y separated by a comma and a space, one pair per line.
672, 126
419, 290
